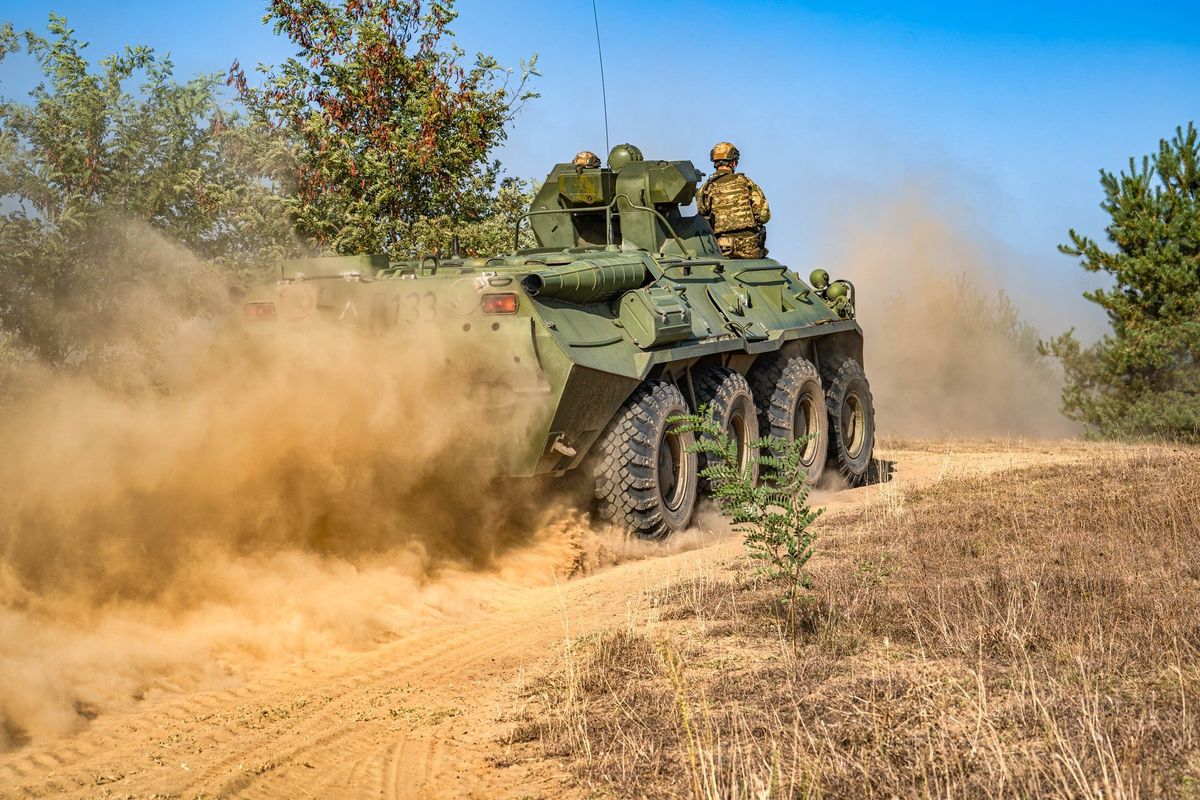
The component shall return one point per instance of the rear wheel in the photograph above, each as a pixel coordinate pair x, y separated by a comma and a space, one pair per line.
851, 419
731, 403
791, 405
646, 480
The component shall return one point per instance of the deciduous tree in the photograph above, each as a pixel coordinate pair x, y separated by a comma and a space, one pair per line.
390, 132
100, 160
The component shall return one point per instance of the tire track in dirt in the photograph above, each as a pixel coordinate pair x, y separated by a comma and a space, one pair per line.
363, 711
419, 716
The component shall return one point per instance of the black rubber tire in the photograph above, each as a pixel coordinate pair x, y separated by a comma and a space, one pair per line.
791, 400
851, 419
727, 394
632, 454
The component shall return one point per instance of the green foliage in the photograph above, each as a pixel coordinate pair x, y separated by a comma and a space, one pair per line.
100, 161
1144, 377
773, 513
10, 357
490, 234
385, 133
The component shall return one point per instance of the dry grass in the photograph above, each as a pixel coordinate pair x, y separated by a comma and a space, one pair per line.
1035, 633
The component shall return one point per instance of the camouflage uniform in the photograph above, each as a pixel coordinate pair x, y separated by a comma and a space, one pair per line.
738, 212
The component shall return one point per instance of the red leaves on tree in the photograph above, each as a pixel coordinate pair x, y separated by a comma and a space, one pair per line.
386, 125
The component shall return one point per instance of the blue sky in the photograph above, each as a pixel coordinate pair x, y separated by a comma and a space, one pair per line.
1001, 115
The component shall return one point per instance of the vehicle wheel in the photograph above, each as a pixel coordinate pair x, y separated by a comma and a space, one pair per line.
646, 479
851, 419
791, 404
727, 394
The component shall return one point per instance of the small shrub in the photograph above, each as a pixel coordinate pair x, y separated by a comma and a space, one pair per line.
772, 513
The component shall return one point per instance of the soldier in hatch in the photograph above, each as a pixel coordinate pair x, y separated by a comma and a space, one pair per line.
585, 159
734, 206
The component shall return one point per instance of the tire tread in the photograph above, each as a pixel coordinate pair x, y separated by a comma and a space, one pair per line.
839, 372
625, 471
774, 385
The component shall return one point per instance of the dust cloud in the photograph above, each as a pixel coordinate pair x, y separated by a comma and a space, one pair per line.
204, 503
947, 353
597, 546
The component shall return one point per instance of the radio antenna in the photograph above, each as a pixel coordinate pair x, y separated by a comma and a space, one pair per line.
603, 88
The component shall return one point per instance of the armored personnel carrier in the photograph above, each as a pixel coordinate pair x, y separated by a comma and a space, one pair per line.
624, 315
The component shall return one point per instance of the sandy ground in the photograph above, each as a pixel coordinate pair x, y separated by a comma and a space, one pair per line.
425, 715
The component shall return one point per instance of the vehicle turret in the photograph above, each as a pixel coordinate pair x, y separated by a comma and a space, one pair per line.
630, 204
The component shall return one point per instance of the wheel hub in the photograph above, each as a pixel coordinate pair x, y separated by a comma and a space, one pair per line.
671, 486
806, 424
854, 425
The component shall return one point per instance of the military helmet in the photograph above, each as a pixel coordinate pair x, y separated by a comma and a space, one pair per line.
623, 154
586, 159
723, 152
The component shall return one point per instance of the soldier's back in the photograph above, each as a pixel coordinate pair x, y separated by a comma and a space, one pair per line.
727, 197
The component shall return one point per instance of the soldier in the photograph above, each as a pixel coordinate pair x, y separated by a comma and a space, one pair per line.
734, 206
585, 159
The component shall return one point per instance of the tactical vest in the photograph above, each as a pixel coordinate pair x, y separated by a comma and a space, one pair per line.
730, 202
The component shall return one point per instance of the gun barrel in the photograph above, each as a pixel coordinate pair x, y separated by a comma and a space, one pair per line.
587, 281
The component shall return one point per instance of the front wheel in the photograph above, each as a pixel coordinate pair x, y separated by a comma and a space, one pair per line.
851, 419
646, 476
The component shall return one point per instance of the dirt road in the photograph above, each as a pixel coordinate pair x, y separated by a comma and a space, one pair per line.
425, 715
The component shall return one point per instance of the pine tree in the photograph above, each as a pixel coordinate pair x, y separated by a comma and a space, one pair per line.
1143, 378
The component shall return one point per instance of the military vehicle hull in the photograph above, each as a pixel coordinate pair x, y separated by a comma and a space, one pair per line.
597, 337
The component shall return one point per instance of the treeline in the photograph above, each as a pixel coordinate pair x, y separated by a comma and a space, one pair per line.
376, 136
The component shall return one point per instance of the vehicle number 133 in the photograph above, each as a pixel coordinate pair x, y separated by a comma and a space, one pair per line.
414, 307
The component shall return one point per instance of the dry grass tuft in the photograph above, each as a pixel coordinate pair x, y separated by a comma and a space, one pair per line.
1033, 633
